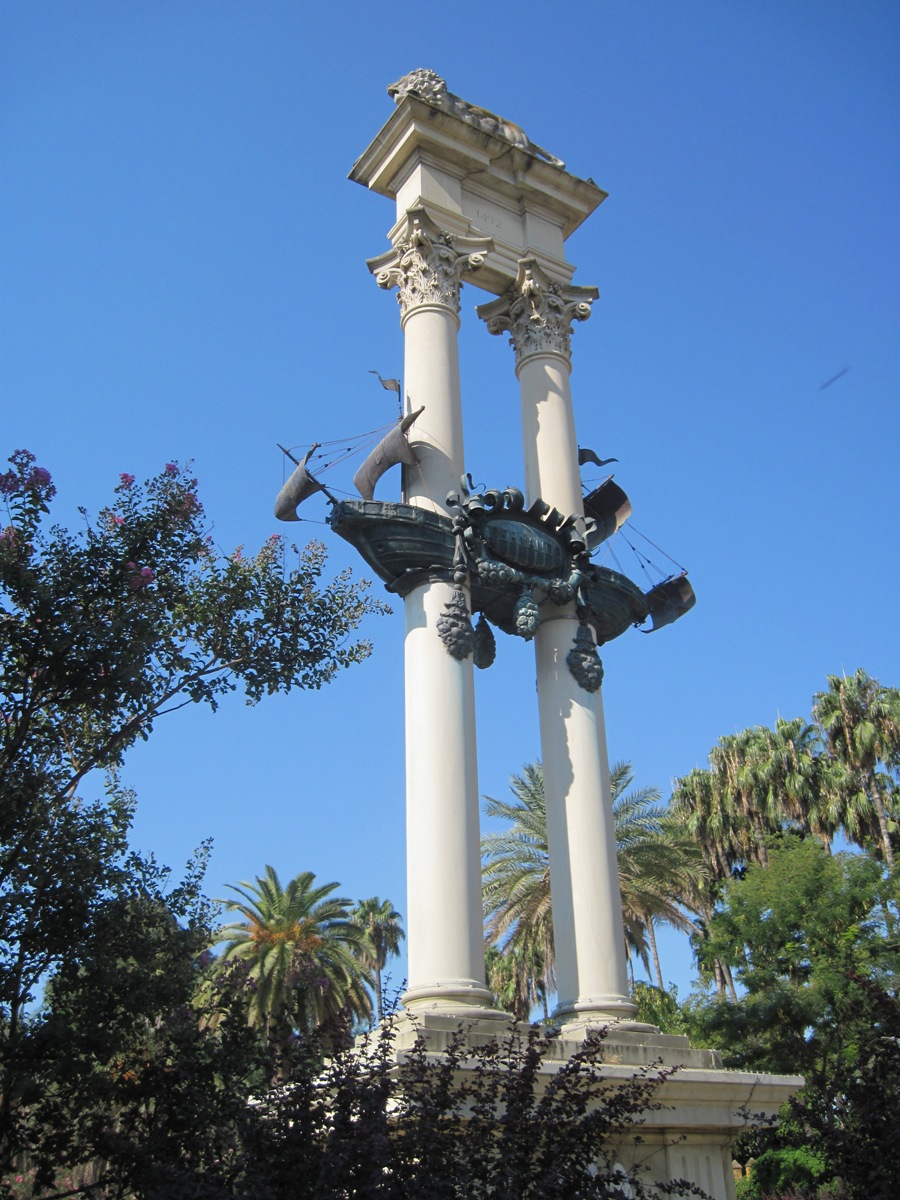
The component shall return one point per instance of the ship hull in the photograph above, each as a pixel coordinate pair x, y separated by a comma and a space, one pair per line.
405, 545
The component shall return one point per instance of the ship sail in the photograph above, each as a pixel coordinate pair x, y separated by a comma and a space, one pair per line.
609, 508
669, 600
392, 449
299, 486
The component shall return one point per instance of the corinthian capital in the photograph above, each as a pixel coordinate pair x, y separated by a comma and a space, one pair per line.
538, 312
427, 264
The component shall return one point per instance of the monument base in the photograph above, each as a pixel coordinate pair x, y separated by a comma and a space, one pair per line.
703, 1107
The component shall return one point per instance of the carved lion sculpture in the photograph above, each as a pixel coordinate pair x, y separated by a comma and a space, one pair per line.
429, 86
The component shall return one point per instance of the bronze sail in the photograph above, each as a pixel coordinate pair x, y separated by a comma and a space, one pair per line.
392, 449
609, 508
669, 600
299, 486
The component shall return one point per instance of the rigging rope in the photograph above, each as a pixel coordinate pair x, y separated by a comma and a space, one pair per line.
672, 560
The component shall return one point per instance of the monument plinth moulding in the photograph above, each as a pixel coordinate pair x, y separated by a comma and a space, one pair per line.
478, 202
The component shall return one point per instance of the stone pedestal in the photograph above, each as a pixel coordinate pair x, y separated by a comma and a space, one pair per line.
702, 1108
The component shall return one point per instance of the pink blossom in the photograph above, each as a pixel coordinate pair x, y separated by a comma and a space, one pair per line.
171, 469
185, 506
118, 520
8, 536
39, 477
126, 480
9, 483
131, 566
147, 575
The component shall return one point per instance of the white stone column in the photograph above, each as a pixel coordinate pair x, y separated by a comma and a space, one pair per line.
444, 908
588, 932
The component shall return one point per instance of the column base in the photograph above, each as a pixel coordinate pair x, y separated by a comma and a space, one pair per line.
598, 1011
458, 999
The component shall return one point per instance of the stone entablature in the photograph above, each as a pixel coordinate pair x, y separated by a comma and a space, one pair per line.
475, 182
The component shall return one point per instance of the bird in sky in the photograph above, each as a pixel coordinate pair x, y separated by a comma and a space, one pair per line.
834, 379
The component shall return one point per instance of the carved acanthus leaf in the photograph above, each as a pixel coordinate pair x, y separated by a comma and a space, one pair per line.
538, 312
427, 264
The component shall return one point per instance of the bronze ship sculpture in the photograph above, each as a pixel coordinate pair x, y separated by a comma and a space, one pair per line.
512, 560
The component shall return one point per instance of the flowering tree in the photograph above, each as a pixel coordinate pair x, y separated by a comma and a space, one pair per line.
101, 632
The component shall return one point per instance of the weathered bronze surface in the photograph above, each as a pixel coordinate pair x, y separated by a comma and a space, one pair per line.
392, 449
518, 561
670, 600
299, 486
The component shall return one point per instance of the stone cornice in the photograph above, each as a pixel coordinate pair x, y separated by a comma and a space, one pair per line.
416, 128
426, 263
538, 312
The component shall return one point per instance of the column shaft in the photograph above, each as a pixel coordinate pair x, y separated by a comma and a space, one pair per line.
444, 925
444, 908
591, 966
588, 930
431, 378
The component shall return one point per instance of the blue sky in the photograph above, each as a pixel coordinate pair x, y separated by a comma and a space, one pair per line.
183, 276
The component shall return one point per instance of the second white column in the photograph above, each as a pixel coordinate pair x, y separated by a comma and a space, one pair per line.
588, 932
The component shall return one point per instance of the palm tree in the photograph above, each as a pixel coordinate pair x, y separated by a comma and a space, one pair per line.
516, 980
861, 723
384, 932
658, 865
738, 761
799, 781
702, 806
516, 876
303, 953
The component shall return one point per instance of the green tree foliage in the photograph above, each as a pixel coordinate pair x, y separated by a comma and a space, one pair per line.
807, 939
102, 631
516, 878
117, 1082
861, 722
658, 868
795, 1171
384, 931
517, 978
303, 953
474, 1122
837, 775
798, 934
851, 1121
660, 1007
